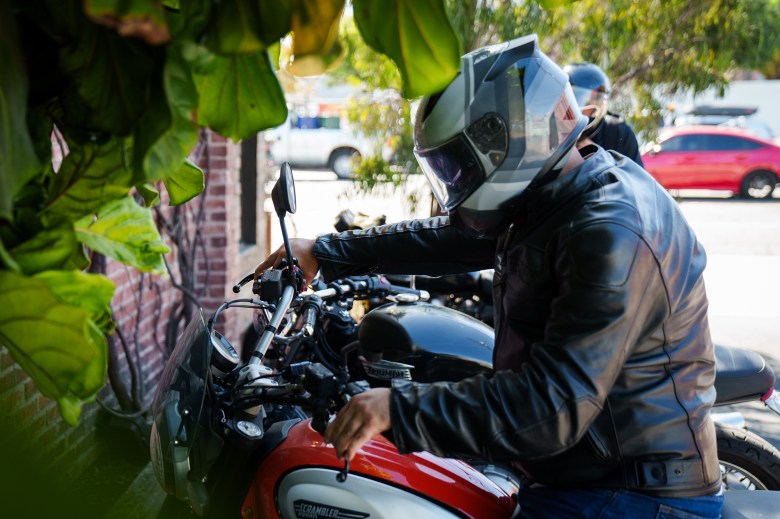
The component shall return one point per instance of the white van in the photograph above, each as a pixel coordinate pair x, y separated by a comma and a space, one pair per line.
318, 141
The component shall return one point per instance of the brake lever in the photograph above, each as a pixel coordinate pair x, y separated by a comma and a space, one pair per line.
247, 279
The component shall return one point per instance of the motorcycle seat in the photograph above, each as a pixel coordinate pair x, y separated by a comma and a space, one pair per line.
742, 375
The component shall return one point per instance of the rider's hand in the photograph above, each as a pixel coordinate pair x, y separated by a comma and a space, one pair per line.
302, 250
365, 416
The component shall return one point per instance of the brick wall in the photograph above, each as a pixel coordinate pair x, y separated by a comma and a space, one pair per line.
143, 304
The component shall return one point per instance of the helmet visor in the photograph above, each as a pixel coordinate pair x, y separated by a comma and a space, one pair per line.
589, 99
453, 169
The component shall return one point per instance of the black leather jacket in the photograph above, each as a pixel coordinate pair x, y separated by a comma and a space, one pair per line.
614, 133
604, 367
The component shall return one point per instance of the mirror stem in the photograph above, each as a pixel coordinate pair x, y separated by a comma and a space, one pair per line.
287, 247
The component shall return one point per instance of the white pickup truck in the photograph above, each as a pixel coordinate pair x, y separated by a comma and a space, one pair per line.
318, 142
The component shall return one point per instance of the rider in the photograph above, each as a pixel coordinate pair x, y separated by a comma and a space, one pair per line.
609, 130
604, 367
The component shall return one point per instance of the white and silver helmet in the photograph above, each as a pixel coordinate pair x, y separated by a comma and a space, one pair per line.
509, 117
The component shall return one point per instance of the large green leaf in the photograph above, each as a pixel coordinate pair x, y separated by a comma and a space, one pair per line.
149, 193
126, 232
112, 75
49, 249
70, 286
90, 176
7, 260
417, 36
143, 19
234, 28
167, 132
18, 162
315, 25
50, 332
315, 28
275, 20
191, 21
186, 184
241, 96
78, 259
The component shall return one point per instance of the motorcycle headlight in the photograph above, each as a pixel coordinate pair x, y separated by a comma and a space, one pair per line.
170, 457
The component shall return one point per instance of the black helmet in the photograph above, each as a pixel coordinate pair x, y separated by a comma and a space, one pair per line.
591, 88
508, 118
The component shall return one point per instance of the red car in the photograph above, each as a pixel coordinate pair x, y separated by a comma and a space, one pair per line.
714, 157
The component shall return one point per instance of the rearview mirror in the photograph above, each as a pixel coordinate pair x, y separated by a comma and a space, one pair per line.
283, 193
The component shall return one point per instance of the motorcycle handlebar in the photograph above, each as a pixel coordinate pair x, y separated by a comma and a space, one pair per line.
365, 286
370, 286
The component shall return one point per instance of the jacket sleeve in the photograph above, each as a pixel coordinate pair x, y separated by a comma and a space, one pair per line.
430, 246
610, 294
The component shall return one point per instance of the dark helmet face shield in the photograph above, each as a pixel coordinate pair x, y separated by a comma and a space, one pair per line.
456, 168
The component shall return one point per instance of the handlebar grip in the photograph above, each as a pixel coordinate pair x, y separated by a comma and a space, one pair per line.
397, 289
380, 282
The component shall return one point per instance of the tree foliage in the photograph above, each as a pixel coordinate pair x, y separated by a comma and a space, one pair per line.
121, 87
649, 50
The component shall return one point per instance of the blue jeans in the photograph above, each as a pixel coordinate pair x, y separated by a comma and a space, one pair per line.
550, 503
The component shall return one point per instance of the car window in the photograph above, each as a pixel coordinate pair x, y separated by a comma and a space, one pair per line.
728, 142
708, 142
684, 143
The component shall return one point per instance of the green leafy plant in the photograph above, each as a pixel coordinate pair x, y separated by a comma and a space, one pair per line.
121, 88
650, 50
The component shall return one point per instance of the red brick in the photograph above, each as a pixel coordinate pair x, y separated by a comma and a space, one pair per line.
30, 391
6, 359
218, 163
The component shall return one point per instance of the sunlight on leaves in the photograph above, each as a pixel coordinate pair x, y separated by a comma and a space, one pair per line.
125, 231
53, 337
417, 36
186, 184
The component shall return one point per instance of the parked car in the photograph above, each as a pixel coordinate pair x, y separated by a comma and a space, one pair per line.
318, 142
725, 115
714, 157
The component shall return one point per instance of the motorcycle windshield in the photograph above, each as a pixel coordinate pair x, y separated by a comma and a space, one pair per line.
182, 388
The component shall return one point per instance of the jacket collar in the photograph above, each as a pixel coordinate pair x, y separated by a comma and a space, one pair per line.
544, 198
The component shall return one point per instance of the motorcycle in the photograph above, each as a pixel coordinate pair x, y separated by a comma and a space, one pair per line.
233, 437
